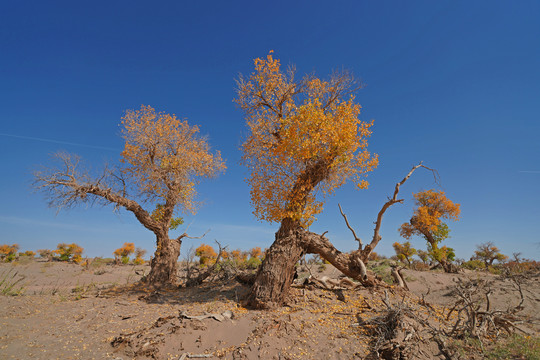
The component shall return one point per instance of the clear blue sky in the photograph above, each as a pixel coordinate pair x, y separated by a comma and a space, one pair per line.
453, 83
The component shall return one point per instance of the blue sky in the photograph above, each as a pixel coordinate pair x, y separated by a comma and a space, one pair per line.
455, 84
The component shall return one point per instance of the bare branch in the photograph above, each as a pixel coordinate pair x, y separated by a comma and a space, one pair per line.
350, 228
376, 235
67, 186
185, 235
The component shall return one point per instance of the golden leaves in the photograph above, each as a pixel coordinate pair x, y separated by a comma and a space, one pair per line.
305, 139
431, 207
165, 156
125, 251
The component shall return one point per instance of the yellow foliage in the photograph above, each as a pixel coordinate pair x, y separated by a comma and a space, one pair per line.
256, 252
165, 156
305, 139
6, 250
206, 254
431, 207
69, 252
125, 251
138, 261
239, 256
404, 251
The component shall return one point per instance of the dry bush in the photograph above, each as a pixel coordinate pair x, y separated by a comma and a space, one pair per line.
46, 254
139, 253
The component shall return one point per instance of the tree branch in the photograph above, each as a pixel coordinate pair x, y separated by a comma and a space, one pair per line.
350, 228
185, 235
67, 186
349, 264
391, 201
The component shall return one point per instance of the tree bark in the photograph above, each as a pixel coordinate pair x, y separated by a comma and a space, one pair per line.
276, 273
164, 264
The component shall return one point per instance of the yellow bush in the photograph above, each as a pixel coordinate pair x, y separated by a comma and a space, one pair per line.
206, 254
124, 252
69, 252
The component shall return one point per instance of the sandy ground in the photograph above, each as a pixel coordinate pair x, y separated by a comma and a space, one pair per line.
65, 311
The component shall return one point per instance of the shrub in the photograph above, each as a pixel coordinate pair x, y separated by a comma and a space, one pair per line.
206, 254
8, 253
46, 254
473, 265
122, 254
253, 263
521, 266
29, 253
69, 252
139, 253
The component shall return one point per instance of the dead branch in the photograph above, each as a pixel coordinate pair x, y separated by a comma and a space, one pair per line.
350, 228
68, 185
398, 277
349, 264
391, 201
471, 320
185, 235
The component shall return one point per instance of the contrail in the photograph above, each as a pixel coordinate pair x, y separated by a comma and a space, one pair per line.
530, 171
58, 142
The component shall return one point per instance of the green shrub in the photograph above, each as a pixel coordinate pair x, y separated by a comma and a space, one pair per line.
69, 252
253, 263
474, 265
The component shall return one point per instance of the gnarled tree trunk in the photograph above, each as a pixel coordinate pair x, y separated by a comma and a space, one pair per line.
276, 273
164, 265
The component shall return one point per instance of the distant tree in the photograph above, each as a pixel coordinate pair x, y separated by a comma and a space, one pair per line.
163, 160
69, 252
404, 251
431, 207
255, 252
238, 256
122, 254
488, 253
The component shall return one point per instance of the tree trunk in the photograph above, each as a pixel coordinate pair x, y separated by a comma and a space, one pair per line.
276, 273
164, 264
